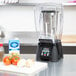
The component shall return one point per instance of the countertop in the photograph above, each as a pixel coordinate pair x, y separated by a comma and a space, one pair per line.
25, 38
64, 67
31, 38
69, 38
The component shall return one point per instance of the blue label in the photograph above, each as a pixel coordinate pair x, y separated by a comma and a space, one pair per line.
14, 45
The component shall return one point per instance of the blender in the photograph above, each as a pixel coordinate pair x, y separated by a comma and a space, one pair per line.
48, 19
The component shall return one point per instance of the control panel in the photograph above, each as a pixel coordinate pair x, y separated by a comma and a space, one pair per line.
44, 49
45, 52
49, 51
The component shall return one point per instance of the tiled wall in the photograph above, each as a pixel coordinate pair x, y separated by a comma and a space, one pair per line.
21, 18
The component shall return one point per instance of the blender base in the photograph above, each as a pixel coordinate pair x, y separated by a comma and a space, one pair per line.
49, 51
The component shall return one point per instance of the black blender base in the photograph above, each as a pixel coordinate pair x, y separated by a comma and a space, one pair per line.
49, 51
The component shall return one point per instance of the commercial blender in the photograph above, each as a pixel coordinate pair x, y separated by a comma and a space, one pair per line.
48, 18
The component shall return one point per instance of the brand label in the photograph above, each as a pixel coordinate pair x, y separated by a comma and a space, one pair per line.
14, 45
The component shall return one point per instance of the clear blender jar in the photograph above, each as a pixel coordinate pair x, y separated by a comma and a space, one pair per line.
48, 18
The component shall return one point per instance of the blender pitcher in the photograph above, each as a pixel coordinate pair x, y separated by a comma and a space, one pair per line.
48, 18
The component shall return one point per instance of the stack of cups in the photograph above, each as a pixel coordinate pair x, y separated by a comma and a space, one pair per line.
8, 1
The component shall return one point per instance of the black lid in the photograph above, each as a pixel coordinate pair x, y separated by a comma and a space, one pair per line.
45, 40
48, 11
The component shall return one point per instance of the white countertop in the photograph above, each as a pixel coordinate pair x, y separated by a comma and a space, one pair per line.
27, 38
64, 67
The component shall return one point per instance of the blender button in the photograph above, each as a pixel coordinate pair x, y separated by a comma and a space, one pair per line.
47, 54
41, 53
44, 54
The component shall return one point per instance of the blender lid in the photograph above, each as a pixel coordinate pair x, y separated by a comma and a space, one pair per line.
48, 11
49, 6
